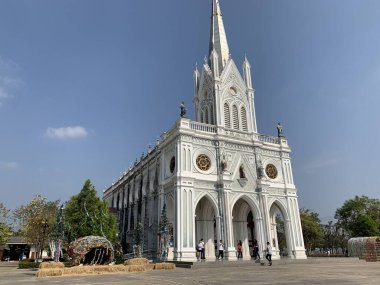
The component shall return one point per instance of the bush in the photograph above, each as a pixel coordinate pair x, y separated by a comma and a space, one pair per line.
28, 264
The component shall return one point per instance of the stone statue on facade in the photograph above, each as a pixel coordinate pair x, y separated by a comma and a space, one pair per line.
242, 172
183, 110
224, 164
260, 170
279, 130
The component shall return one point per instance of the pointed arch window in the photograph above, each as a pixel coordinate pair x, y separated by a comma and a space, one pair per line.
227, 120
243, 119
206, 115
235, 116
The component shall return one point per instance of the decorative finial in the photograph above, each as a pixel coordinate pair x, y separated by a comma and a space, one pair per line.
279, 130
183, 110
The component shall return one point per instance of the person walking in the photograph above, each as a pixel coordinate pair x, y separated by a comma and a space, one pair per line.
256, 252
240, 249
221, 250
269, 253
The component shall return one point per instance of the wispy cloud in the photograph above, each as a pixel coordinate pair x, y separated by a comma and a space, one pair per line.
8, 165
320, 162
76, 132
8, 79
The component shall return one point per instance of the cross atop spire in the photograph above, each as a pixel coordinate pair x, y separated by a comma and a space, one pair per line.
218, 39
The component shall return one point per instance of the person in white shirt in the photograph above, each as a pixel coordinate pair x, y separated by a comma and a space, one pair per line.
269, 253
201, 248
221, 250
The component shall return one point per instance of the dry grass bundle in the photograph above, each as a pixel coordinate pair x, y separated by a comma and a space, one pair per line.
149, 267
98, 269
48, 272
137, 268
164, 265
136, 261
51, 264
77, 270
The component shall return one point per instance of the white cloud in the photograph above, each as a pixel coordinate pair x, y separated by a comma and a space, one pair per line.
63, 133
8, 165
8, 78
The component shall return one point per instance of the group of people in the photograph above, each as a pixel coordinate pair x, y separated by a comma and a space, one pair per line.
239, 250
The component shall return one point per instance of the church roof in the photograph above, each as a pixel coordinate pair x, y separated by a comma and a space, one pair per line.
218, 39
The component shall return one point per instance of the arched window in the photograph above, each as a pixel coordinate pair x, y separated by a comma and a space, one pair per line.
235, 116
227, 120
243, 119
206, 115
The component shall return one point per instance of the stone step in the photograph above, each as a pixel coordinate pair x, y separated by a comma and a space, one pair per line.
237, 263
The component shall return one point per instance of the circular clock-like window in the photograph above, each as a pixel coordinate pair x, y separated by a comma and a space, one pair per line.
203, 162
271, 171
172, 164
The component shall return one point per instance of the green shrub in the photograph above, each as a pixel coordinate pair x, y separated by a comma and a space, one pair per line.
28, 264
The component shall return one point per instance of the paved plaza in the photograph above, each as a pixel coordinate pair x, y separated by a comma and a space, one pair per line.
313, 271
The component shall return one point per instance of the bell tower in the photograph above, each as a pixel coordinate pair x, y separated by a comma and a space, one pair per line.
222, 96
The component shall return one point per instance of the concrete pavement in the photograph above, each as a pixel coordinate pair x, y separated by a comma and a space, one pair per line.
312, 271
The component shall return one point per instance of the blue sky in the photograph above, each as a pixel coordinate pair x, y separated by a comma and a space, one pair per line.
86, 86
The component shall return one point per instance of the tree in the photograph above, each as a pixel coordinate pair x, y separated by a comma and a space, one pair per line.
360, 216
86, 214
281, 237
163, 229
5, 229
37, 220
138, 239
311, 229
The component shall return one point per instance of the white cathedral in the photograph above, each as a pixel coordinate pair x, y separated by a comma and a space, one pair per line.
217, 176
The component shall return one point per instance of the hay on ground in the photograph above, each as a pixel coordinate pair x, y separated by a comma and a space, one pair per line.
48, 272
51, 264
137, 268
78, 270
100, 269
164, 265
136, 261
149, 267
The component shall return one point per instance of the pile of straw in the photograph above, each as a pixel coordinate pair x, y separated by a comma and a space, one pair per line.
136, 261
164, 265
48, 272
51, 264
132, 265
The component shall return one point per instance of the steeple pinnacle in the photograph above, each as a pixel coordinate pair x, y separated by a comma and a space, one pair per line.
218, 39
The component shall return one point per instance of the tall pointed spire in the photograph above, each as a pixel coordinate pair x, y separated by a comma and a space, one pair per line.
218, 39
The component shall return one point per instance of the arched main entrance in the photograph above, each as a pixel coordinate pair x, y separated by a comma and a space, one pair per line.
244, 227
205, 226
279, 231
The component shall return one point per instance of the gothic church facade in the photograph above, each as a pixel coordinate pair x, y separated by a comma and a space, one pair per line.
217, 176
